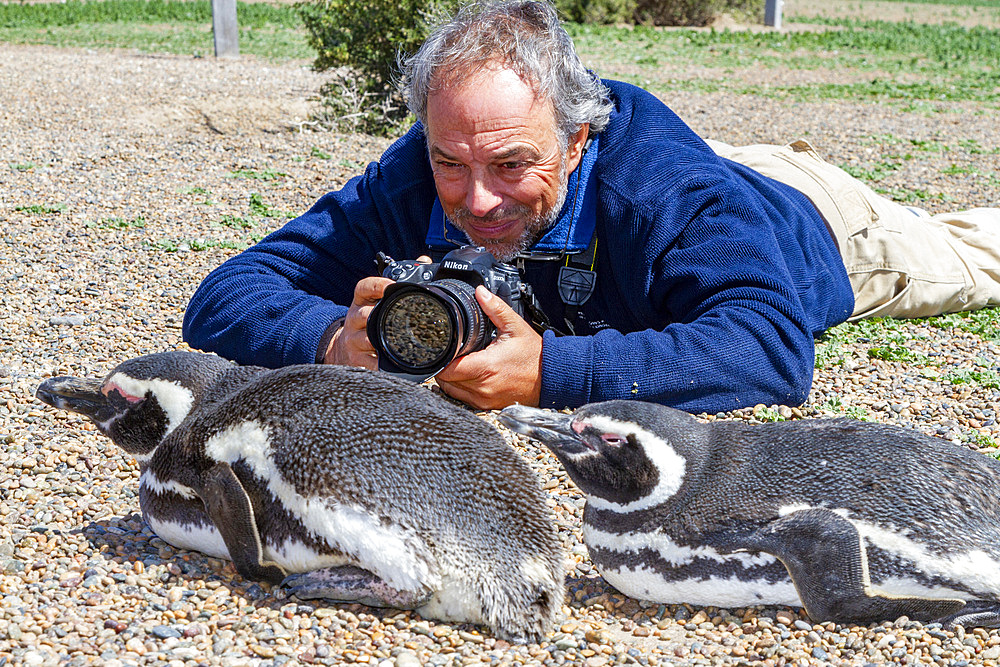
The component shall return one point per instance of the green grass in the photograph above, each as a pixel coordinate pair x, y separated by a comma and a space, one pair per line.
885, 338
909, 63
956, 3
154, 26
266, 174
984, 323
41, 209
880, 60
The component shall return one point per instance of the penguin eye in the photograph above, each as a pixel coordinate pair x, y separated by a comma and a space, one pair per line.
613, 439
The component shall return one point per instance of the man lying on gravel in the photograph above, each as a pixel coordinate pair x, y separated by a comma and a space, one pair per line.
712, 279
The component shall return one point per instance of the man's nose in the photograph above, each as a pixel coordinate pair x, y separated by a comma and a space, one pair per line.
482, 197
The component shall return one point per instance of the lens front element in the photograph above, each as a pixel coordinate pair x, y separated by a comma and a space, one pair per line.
417, 330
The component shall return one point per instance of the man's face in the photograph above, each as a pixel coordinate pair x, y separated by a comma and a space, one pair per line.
498, 167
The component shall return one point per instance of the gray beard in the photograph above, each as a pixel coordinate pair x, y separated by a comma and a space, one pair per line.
505, 251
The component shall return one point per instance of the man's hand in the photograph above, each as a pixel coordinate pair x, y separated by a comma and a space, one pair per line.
508, 371
350, 345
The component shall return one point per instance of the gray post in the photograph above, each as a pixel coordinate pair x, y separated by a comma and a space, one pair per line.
772, 13
225, 30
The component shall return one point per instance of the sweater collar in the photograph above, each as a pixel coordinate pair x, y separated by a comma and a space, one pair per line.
571, 232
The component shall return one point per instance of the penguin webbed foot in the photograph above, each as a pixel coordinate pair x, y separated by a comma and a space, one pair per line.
975, 614
349, 584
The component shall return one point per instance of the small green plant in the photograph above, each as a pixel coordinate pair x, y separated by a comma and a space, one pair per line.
207, 201
319, 153
986, 378
197, 245
982, 441
259, 208
829, 346
767, 414
41, 209
236, 222
984, 323
834, 403
266, 174
138, 222
24, 166
894, 351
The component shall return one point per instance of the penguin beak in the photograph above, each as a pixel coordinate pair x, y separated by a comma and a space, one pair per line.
553, 429
81, 395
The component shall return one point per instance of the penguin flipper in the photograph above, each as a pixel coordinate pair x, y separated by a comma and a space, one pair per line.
826, 559
229, 507
347, 583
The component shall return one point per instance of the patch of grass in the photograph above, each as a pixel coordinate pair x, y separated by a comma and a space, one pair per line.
887, 339
984, 323
829, 346
42, 209
986, 378
138, 222
905, 62
197, 245
207, 201
957, 3
261, 209
973, 146
835, 404
236, 222
767, 414
24, 166
274, 32
266, 174
319, 153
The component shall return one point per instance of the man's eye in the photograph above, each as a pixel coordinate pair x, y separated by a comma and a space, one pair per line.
513, 165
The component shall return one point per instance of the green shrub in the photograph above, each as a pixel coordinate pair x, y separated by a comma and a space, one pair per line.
695, 12
597, 11
361, 41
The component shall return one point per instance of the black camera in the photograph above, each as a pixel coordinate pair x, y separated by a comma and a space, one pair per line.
430, 315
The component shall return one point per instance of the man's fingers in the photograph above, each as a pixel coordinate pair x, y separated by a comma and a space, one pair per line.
369, 290
502, 315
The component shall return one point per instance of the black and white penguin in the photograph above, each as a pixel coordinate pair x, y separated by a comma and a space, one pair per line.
854, 521
344, 483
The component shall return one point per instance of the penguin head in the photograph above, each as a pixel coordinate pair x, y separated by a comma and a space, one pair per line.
142, 400
609, 449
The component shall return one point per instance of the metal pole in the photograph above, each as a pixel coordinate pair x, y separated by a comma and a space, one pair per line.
772, 13
225, 30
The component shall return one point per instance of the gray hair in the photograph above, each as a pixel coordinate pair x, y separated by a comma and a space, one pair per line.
526, 37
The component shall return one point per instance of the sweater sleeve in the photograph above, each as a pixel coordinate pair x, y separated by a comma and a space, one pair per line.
721, 321
271, 304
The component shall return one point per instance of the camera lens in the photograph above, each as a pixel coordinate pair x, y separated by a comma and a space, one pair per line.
417, 330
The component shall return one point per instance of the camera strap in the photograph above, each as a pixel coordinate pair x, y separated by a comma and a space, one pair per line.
577, 279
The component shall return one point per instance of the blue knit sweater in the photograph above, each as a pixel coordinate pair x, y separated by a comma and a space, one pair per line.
712, 280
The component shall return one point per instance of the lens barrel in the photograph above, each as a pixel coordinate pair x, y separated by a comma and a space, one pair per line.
417, 329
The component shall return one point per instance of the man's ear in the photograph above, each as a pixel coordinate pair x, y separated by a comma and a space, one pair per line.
574, 151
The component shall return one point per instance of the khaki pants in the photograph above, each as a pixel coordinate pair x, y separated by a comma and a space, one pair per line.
900, 263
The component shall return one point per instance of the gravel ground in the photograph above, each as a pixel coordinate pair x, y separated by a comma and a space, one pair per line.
126, 178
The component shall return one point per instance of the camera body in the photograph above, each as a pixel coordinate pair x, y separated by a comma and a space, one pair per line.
430, 314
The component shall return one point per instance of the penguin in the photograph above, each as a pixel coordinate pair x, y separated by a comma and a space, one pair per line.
336, 482
855, 522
